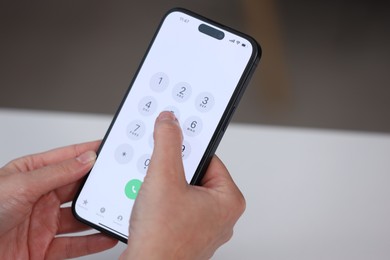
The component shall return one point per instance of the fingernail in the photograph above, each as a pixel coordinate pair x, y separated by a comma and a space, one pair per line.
86, 157
166, 115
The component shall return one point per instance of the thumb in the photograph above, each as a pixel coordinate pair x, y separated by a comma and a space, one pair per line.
166, 161
53, 176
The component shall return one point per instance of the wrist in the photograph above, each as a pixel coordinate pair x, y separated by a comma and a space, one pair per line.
149, 248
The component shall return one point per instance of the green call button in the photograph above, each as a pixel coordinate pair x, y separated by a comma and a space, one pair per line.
132, 188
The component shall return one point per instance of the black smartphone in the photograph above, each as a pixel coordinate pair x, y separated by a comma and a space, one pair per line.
194, 67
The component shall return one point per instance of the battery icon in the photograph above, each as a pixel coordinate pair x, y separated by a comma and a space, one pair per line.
243, 45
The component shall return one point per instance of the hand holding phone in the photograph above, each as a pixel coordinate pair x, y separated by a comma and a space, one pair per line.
197, 69
174, 220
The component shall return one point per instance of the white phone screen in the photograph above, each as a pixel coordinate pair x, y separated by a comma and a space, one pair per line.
185, 71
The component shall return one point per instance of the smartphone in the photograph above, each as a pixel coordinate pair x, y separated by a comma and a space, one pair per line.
194, 67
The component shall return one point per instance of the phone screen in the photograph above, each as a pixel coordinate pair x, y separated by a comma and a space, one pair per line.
194, 68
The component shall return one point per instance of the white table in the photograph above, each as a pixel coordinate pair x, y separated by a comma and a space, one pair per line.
311, 194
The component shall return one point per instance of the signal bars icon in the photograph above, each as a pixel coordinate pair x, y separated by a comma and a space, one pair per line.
237, 42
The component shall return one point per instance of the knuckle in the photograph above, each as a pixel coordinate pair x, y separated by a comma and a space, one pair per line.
234, 209
228, 235
241, 204
24, 164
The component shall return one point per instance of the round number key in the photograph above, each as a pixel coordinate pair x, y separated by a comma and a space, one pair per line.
185, 149
192, 126
173, 110
136, 130
147, 106
181, 92
124, 153
204, 102
143, 163
159, 82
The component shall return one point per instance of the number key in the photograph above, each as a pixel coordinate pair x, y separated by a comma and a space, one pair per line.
192, 126
159, 82
181, 92
136, 130
147, 106
204, 102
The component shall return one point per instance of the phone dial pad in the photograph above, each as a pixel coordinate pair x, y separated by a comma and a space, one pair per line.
177, 97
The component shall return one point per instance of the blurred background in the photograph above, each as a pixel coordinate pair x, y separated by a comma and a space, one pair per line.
325, 64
